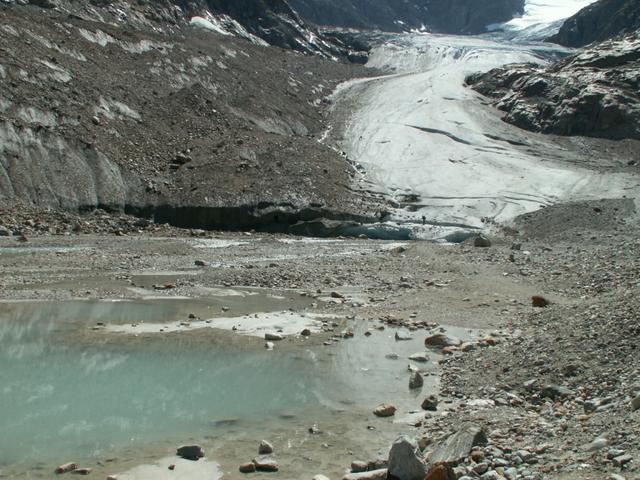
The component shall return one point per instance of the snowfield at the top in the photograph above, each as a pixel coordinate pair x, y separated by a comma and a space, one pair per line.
541, 12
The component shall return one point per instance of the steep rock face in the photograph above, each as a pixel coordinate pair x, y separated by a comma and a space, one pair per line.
593, 93
444, 16
181, 124
600, 21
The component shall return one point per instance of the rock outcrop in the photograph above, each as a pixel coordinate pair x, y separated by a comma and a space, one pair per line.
592, 93
599, 21
444, 16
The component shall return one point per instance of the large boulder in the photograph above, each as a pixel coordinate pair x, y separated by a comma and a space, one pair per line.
458, 446
405, 460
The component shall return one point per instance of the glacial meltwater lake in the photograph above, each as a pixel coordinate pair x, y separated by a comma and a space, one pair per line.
70, 389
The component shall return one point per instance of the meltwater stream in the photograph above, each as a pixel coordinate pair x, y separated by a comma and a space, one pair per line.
70, 390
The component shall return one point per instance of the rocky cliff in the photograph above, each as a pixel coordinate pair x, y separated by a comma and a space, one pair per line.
600, 21
444, 16
592, 93
127, 107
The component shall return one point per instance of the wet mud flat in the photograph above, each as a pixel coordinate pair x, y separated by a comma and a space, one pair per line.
112, 335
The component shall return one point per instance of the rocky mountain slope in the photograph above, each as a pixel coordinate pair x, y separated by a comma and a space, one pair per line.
270, 21
131, 109
600, 21
444, 16
592, 93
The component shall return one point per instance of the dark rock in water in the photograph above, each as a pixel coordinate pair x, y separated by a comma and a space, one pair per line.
599, 21
190, 452
441, 340
416, 381
405, 462
458, 446
592, 93
430, 403
385, 410
265, 448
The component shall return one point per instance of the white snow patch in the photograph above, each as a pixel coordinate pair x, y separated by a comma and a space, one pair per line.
99, 37
539, 13
114, 109
212, 24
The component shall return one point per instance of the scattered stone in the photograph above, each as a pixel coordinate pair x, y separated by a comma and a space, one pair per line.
249, 467
416, 380
635, 403
430, 403
201, 263
481, 241
306, 332
539, 301
440, 471
358, 466
275, 337
269, 345
597, 444
556, 391
385, 410
370, 475
403, 336
392, 356
112, 477
65, 468
419, 357
82, 471
266, 464
441, 340
622, 460
5, 232
190, 452
405, 462
458, 446
336, 295
265, 448
320, 477
172, 466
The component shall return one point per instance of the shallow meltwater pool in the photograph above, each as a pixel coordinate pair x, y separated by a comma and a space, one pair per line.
71, 390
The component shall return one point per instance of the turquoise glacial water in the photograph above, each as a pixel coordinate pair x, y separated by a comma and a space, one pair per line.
64, 396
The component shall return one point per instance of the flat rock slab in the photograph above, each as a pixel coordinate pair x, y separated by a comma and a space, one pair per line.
458, 446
